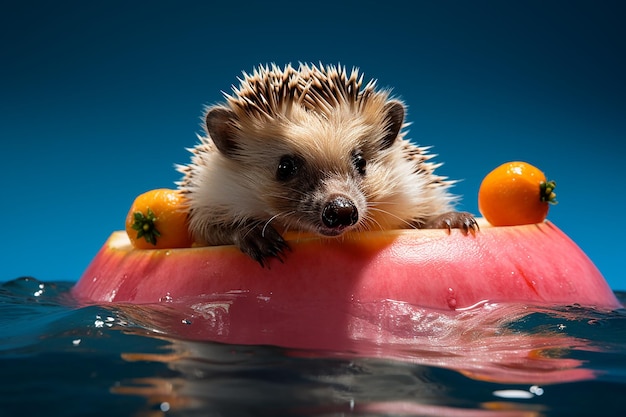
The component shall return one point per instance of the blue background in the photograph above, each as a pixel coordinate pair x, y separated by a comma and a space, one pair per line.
99, 100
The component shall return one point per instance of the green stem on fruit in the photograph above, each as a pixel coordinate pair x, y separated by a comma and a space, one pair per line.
546, 192
145, 227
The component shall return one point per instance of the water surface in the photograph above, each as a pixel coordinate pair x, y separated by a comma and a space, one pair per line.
59, 358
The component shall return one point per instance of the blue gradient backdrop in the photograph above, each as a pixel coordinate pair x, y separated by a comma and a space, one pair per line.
99, 99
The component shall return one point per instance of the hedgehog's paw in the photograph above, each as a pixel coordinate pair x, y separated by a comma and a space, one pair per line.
260, 243
454, 220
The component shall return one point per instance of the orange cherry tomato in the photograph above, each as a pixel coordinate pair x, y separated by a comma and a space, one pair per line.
157, 219
515, 193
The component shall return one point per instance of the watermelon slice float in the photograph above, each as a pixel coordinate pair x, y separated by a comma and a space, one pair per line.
534, 264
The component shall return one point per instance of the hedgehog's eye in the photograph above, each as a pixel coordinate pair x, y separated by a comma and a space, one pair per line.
287, 167
359, 162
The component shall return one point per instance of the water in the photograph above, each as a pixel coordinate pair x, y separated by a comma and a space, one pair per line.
62, 359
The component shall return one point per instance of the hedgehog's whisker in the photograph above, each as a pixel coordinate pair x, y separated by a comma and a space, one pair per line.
289, 197
400, 219
284, 198
251, 226
369, 220
290, 222
267, 223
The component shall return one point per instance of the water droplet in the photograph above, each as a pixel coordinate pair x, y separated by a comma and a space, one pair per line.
451, 299
537, 390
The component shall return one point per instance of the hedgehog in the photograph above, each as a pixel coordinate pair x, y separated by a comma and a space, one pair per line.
310, 148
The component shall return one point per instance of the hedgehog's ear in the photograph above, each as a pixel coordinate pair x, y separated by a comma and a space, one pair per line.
394, 116
220, 125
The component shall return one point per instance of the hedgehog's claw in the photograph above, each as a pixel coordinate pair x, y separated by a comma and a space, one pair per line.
262, 243
462, 220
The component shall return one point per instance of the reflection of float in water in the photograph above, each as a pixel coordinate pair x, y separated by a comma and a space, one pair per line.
404, 352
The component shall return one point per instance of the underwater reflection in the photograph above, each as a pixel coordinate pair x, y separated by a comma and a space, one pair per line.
403, 360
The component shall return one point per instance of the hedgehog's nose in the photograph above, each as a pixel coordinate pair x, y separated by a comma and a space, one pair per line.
340, 212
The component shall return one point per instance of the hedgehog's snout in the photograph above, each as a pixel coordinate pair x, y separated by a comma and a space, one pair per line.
340, 212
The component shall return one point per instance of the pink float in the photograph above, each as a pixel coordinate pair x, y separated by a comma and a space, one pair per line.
535, 263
